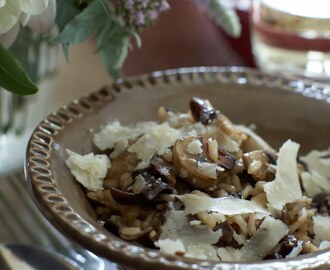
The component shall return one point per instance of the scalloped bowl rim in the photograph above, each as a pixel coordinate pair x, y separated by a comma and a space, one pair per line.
54, 205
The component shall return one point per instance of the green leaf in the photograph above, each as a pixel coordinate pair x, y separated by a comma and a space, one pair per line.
226, 17
113, 43
65, 48
27, 55
137, 39
65, 12
103, 34
12, 75
85, 24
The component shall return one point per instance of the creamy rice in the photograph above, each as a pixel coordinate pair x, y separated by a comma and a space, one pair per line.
196, 185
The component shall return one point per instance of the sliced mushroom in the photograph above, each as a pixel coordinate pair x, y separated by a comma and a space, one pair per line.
202, 111
163, 169
246, 179
153, 187
227, 238
182, 187
284, 247
153, 184
104, 199
321, 202
126, 162
226, 160
192, 162
127, 198
95, 200
258, 165
237, 195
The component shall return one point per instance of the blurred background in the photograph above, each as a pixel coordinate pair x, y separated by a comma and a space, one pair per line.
184, 36
287, 37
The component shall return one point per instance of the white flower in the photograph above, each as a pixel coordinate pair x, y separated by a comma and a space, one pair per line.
8, 38
33, 7
43, 22
12, 10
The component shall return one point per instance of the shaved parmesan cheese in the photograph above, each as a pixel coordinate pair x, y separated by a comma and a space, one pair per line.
286, 187
177, 226
189, 129
202, 252
193, 238
226, 143
317, 179
109, 135
171, 247
260, 215
309, 184
89, 170
324, 245
270, 232
155, 141
229, 254
208, 169
119, 147
296, 250
177, 120
210, 131
321, 228
318, 161
225, 206
314, 183
195, 147
239, 238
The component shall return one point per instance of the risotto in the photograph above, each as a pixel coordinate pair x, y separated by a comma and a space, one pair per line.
196, 185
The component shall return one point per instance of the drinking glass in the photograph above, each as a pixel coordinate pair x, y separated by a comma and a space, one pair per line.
292, 37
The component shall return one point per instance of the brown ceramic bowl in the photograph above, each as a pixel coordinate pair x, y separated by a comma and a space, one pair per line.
281, 109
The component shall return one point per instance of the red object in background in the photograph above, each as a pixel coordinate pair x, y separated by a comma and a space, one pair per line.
242, 45
289, 40
186, 36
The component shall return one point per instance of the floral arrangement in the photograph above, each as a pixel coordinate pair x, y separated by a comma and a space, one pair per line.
67, 22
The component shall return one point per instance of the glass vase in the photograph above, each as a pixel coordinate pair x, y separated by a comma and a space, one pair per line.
20, 114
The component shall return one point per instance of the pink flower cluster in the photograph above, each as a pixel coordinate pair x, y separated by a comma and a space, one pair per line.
139, 14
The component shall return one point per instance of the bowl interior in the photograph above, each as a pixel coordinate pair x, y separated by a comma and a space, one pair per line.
246, 97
